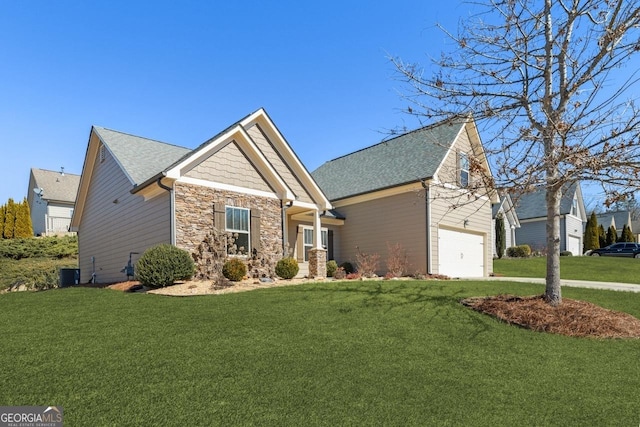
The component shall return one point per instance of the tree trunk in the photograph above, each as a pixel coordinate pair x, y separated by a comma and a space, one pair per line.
553, 293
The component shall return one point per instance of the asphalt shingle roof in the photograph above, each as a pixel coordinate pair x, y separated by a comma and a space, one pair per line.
404, 159
620, 218
56, 185
141, 158
534, 205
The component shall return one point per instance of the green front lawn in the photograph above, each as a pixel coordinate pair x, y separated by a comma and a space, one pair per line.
602, 269
352, 353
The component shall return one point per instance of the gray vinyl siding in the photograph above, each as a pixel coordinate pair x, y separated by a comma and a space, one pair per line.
532, 233
38, 214
146, 223
450, 210
371, 225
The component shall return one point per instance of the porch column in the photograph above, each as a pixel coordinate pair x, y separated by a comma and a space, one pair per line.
285, 231
317, 255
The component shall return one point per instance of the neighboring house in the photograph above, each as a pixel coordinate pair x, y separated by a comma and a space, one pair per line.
618, 219
420, 190
505, 208
51, 197
135, 193
531, 209
635, 229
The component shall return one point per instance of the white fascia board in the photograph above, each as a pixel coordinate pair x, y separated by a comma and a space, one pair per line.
227, 187
261, 118
393, 191
240, 136
306, 205
93, 146
436, 174
306, 218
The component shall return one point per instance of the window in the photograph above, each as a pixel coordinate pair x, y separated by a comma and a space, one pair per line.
307, 240
463, 162
237, 223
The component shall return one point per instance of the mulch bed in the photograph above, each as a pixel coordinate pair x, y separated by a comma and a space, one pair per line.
572, 317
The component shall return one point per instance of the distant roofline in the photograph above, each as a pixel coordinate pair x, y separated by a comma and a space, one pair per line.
58, 171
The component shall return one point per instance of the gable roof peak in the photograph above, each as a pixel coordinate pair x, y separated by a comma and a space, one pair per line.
404, 159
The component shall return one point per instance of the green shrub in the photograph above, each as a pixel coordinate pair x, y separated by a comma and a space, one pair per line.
347, 267
39, 247
520, 251
287, 268
234, 269
566, 253
332, 266
162, 265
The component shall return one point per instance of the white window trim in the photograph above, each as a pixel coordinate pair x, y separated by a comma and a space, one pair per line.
462, 170
233, 230
324, 232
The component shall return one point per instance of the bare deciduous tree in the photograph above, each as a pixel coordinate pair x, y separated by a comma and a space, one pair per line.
545, 81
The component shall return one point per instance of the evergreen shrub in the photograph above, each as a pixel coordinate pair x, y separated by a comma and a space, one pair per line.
520, 251
287, 268
162, 265
332, 266
347, 267
234, 269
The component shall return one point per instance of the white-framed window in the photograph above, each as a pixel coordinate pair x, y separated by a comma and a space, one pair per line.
463, 167
307, 240
237, 223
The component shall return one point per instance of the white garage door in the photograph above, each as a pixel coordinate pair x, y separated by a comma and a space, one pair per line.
460, 254
573, 245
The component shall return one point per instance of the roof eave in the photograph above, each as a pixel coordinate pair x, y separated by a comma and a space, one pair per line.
362, 193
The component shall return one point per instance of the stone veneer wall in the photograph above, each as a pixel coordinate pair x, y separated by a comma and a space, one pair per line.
194, 220
317, 263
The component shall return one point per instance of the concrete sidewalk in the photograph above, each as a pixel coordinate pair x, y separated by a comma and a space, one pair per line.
612, 286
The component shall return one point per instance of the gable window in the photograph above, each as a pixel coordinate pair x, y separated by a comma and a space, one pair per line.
463, 166
307, 240
237, 223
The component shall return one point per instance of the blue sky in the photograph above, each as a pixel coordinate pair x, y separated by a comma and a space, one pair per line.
180, 72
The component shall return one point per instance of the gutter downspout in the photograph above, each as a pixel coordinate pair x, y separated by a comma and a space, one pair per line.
427, 196
171, 208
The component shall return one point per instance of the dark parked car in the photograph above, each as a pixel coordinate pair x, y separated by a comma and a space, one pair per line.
619, 249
